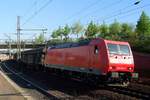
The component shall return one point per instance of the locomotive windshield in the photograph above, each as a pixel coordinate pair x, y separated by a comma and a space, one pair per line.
118, 49
124, 49
113, 49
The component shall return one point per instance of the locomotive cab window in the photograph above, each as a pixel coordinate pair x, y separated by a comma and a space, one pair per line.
96, 51
118, 49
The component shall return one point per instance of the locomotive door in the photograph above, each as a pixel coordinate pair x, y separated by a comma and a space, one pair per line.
95, 57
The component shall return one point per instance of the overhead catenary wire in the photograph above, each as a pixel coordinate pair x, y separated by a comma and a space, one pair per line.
128, 6
83, 9
38, 11
87, 7
30, 9
118, 2
120, 13
125, 12
104, 7
124, 16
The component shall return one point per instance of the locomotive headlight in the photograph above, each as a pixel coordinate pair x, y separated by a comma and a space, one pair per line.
110, 67
130, 68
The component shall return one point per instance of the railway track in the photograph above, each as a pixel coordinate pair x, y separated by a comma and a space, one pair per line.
51, 94
130, 92
144, 81
56, 94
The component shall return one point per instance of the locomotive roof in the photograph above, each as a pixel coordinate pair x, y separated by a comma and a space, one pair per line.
71, 44
82, 42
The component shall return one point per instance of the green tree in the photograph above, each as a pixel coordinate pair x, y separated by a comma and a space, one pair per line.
143, 26
77, 28
40, 39
58, 33
115, 29
66, 31
91, 30
126, 31
142, 41
103, 30
54, 34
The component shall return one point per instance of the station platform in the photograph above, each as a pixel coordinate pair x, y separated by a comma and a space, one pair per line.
8, 92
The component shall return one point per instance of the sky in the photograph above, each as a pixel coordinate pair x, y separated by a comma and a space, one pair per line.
50, 14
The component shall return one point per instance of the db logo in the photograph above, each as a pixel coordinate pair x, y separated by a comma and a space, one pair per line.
121, 61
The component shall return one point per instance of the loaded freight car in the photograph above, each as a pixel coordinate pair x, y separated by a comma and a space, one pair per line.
32, 57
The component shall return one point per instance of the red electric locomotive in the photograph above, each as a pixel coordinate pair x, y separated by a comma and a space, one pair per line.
94, 59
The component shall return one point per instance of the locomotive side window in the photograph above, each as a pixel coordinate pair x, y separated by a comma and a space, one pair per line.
96, 51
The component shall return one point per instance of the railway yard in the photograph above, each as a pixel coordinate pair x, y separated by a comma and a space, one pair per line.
27, 79
75, 50
44, 85
22, 81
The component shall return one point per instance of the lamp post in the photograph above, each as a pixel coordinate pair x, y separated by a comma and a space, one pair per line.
9, 44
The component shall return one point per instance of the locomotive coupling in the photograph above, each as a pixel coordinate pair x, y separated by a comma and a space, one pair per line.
135, 76
114, 74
